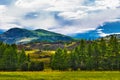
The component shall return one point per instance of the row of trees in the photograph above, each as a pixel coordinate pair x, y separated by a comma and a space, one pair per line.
11, 59
89, 55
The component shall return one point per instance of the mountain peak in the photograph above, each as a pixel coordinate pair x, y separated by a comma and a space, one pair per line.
40, 30
16, 30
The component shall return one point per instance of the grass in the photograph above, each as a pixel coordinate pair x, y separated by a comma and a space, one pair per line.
56, 75
30, 52
43, 52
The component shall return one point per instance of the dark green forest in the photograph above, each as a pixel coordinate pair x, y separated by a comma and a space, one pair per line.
89, 55
11, 59
99, 55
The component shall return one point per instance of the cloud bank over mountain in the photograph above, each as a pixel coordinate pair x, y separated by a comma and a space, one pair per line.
61, 16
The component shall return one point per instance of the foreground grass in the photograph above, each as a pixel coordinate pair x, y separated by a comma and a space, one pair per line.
60, 75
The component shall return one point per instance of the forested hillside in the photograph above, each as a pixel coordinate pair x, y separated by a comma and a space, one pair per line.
89, 55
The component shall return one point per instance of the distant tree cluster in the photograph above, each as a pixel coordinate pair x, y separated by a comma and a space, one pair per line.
89, 55
11, 59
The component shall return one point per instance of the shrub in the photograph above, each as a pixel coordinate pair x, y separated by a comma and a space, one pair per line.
36, 66
24, 66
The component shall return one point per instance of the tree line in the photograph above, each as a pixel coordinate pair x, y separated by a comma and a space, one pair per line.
102, 54
11, 59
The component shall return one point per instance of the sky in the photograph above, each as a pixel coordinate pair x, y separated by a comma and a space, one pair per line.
61, 16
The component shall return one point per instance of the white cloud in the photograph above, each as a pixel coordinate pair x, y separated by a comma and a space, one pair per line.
30, 4
108, 3
85, 16
2, 8
73, 15
102, 34
73, 29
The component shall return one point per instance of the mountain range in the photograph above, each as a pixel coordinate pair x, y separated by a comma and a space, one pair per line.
18, 35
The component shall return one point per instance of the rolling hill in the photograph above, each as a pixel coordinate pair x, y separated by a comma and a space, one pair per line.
18, 35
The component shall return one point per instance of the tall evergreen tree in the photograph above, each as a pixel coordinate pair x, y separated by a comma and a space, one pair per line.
89, 58
82, 54
22, 58
74, 60
10, 59
59, 60
96, 55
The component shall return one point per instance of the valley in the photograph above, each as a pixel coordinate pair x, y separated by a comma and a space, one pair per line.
74, 56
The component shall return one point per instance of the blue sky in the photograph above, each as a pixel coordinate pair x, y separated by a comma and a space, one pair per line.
61, 16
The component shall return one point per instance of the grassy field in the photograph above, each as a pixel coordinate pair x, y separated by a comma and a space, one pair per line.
60, 75
57, 75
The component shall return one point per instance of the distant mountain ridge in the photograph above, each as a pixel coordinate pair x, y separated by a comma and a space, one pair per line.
92, 35
18, 35
1, 31
107, 28
109, 36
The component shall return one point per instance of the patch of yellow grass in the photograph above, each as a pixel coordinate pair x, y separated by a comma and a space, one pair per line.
30, 52
59, 75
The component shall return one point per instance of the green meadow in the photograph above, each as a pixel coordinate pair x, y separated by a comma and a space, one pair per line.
57, 75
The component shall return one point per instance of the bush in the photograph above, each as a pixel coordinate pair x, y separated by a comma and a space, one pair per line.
24, 66
36, 66
40, 66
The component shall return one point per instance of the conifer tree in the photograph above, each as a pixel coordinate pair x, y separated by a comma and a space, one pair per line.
22, 58
59, 60
74, 60
10, 59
